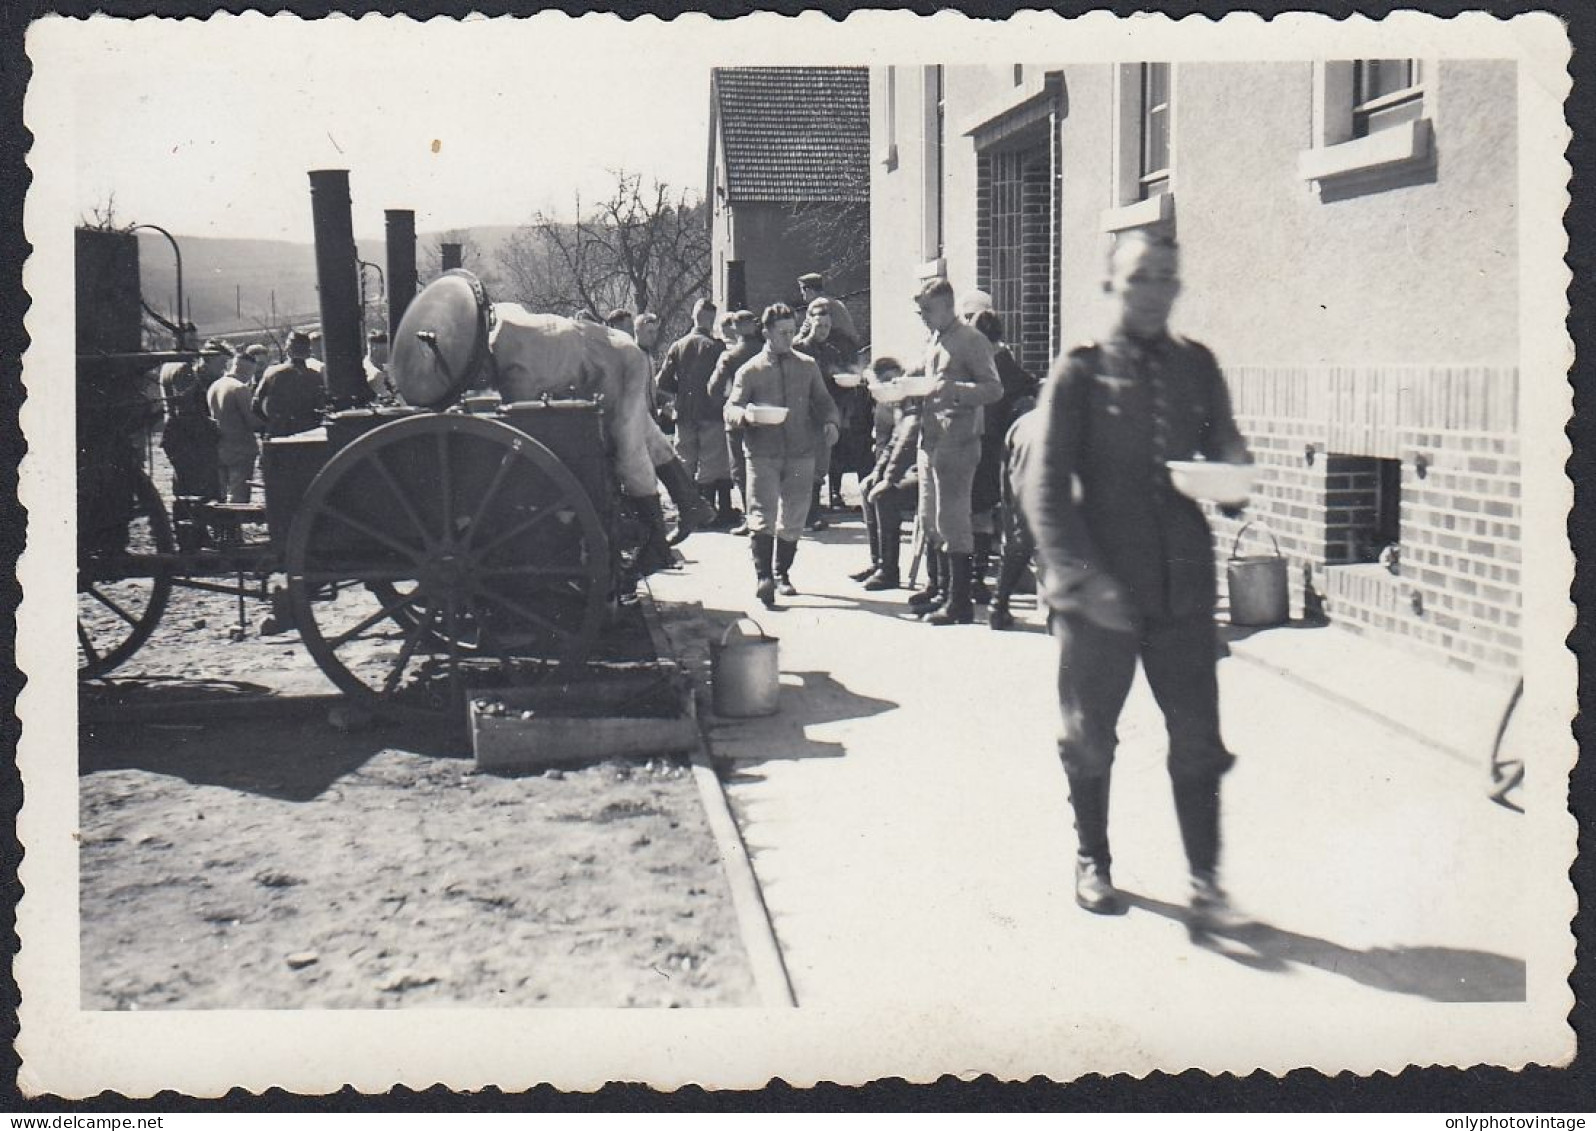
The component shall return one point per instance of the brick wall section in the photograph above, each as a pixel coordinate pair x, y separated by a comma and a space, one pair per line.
1456, 593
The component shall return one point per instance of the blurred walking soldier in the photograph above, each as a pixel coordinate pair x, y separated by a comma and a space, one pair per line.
781, 453
291, 395
959, 360
700, 424
1127, 569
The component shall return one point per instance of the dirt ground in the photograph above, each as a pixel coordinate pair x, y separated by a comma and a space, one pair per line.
288, 866
277, 862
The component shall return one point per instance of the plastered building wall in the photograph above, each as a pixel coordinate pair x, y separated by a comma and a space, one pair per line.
1379, 324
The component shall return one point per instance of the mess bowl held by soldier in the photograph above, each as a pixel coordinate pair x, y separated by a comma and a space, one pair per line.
765, 413
888, 392
918, 384
1228, 484
847, 378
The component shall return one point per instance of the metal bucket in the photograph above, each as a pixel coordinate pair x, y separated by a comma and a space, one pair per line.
744, 673
1260, 593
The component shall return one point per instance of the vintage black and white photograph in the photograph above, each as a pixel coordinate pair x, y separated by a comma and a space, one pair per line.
712, 550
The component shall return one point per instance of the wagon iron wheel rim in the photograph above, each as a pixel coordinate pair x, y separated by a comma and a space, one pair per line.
454, 588
112, 626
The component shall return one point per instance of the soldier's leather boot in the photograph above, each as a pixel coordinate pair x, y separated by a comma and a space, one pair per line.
692, 512
761, 545
931, 595
815, 521
1010, 567
655, 554
958, 609
873, 532
1210, 907
980, 562
785, 553
725, 515
1094, 889
886, 574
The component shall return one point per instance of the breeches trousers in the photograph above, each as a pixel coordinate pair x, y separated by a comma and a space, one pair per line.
779, 491
1096, 667
946, 475
701, 444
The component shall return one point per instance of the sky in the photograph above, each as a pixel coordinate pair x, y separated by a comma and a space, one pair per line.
209, 129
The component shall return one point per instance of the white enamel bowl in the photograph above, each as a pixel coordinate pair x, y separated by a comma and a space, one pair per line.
1228, 484
765, 413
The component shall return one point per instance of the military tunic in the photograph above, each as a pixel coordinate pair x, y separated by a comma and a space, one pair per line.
1114, 414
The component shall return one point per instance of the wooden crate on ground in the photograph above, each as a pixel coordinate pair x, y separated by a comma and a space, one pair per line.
603, 710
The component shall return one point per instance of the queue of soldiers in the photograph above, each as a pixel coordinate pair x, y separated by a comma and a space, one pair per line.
778, 409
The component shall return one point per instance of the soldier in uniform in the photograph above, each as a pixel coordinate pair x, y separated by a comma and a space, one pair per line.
1127, 568
190, 436
291, 396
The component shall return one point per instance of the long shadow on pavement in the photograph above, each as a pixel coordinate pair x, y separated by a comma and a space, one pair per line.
818, 699
1437, 973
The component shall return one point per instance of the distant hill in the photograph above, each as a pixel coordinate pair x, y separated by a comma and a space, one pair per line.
229, 284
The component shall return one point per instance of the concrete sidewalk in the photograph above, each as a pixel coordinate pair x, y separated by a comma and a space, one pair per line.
908, 822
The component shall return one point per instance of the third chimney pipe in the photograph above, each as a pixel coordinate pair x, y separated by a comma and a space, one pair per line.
451, 256
401, 265
338, 280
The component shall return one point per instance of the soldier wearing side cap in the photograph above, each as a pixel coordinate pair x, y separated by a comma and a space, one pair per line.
1127, 568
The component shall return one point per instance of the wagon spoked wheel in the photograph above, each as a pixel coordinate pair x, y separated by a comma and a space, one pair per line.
120, 601
480, 555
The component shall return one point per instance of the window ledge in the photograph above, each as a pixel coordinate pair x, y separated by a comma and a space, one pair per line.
1385, 151
931, 269
1158, 209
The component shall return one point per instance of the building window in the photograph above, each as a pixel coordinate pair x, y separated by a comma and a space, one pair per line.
934, 137
736, 284
1363, 508
1019, 73
1154, 169
1143, 134
941, 154
1385, 93
1371, 126
889, 153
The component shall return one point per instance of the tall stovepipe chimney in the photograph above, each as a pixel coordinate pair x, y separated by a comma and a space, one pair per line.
338, 281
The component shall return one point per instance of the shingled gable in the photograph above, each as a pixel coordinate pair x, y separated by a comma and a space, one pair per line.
793, 134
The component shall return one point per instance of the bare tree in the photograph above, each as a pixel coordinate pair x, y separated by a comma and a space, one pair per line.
644, 247
837, 230
102, 217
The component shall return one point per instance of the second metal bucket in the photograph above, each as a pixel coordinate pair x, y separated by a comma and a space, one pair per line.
1259, 587
745, 673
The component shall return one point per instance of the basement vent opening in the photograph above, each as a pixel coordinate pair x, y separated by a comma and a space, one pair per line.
1363, 508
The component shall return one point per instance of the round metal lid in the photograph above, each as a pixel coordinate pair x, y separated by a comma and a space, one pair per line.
442, 340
